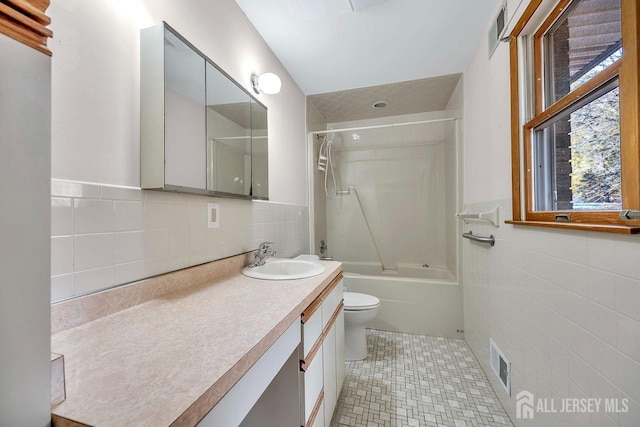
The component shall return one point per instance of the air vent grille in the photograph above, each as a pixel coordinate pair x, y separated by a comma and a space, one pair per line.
500, 366
497, 29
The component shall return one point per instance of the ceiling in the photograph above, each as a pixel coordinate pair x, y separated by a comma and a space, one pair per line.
327, 46
415, 96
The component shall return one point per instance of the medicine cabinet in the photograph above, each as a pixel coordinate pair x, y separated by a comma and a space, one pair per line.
201, 132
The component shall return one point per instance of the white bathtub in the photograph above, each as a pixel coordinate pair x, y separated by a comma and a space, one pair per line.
415, 299
401, 271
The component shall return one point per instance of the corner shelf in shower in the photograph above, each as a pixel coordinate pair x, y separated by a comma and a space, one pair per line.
491, 216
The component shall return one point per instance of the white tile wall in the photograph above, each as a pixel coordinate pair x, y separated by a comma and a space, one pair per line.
103, 235
564, 307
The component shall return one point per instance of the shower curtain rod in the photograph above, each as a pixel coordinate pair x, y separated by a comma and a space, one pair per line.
391, 125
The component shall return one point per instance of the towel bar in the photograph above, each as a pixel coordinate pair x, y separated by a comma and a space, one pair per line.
482, 239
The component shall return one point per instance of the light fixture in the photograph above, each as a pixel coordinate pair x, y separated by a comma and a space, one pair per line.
268, 83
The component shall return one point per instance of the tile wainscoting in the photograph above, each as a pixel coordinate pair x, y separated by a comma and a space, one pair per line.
103, 235
563, 306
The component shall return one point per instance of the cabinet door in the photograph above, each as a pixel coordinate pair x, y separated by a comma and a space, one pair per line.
311, 331
330, 379
184, 115
319, 421
331, 303
340, 366
313, 383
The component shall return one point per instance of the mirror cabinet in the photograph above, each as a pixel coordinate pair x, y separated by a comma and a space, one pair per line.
201, 132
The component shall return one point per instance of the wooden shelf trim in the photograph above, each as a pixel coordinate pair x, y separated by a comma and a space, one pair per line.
603, 228
25, 21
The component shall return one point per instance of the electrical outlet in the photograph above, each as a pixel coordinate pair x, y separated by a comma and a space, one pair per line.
213, 215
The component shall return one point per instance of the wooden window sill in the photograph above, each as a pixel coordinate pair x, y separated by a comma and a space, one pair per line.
604, 228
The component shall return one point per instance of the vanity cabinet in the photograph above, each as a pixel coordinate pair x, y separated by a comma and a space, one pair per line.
200, 131
267, 395
322, 366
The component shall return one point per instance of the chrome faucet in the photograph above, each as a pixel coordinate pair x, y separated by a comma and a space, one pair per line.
265, 250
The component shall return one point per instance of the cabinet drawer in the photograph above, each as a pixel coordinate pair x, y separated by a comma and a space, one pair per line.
313, 384
311, 331
331, 302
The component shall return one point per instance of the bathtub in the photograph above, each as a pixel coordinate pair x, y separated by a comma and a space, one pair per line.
415, 299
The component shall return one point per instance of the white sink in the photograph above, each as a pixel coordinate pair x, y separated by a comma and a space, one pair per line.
284, 269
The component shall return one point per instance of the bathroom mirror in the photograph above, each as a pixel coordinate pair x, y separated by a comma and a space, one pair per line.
200, 129
259, 152
228, 135
184, 118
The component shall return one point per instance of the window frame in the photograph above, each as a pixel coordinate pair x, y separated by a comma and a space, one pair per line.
626, 70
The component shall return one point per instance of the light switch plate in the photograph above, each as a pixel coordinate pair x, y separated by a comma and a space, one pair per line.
213, 215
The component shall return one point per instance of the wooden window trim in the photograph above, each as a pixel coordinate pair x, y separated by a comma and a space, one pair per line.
538, 52
628, 73
26, 21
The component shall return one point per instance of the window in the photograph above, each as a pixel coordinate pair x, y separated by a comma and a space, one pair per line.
576, 123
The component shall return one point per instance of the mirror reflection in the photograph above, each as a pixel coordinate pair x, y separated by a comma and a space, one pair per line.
259, 153
183, 114
199, 128
228, 135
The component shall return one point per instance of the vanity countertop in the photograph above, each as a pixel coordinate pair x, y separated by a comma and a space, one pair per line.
169, 360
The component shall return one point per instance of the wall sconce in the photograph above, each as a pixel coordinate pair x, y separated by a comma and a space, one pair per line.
268, 83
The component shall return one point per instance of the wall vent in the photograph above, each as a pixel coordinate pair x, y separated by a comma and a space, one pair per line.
498, 28
500, 366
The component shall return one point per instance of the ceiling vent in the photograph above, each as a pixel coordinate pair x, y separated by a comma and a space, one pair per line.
498, 28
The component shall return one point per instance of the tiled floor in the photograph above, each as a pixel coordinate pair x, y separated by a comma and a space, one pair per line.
415, 380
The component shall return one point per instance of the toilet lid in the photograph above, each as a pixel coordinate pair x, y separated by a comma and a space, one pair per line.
357, 301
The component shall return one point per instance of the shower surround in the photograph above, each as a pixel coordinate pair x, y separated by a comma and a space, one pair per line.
407, 255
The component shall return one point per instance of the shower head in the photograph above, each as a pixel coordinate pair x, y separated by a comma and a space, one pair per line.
329, 139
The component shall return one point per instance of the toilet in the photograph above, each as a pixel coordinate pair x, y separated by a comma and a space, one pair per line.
358, 310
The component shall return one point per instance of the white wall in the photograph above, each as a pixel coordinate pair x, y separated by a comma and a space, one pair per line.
561, 305
105, 235
95, 86
487, 129
25, 90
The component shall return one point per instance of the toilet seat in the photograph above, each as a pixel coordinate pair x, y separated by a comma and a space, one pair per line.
354, 301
